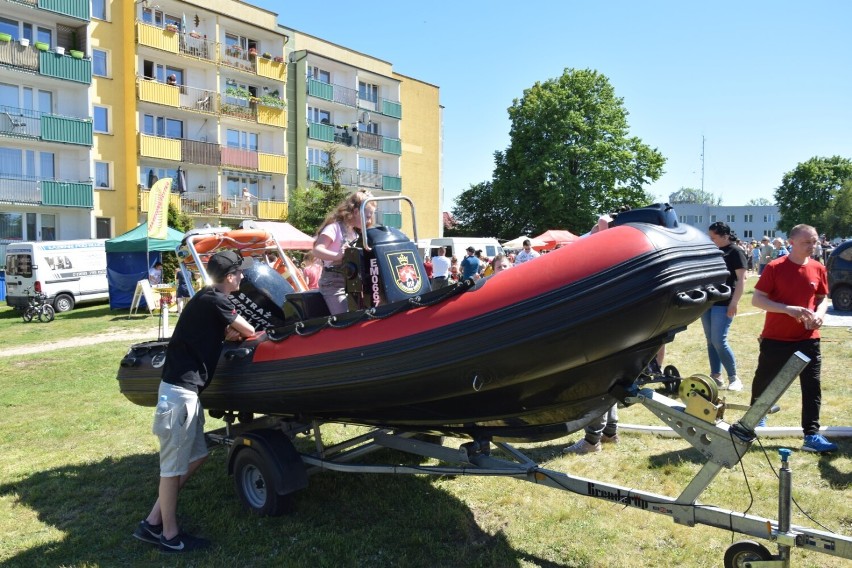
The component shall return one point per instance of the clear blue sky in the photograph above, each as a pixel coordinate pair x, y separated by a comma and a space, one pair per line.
766, 83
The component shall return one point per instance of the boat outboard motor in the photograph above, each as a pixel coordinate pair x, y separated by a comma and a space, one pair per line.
390, 271
261, 296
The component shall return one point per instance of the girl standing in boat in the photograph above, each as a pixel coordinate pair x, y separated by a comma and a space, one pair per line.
337, 231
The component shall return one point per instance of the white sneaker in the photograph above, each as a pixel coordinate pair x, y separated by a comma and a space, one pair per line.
582, 447
735, 384
718, 378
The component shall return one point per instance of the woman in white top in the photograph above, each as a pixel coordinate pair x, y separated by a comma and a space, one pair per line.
337, 231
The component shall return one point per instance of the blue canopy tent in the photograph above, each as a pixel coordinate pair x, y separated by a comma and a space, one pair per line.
129, 258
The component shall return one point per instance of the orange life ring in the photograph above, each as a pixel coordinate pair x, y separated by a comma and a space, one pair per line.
245, 238
207, 243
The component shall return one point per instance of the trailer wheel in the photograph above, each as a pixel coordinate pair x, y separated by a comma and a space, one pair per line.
63, 303
741, 553
254, 483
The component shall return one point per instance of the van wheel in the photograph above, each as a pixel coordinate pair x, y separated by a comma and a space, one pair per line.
841, 298
63, 303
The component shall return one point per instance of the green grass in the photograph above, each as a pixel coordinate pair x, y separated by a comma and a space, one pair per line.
79, 470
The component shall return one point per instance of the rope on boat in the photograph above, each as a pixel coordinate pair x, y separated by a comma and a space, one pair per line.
343, 321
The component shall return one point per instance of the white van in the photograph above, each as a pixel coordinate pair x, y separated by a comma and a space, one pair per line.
457, 246
68, 272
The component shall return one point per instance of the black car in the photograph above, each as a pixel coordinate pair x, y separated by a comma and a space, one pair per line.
840, 276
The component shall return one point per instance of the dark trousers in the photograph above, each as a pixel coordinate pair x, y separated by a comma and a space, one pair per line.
773, 355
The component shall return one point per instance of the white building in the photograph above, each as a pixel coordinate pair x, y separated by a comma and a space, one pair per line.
749, 222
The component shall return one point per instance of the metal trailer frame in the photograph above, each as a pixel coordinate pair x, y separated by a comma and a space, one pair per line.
723, 445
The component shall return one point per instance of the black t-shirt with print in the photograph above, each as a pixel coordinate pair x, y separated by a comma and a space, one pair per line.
196, 343
734, 260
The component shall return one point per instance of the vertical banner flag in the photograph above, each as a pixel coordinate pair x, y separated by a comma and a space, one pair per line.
158, 209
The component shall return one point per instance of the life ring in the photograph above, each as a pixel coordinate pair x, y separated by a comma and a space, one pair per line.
246, 238
294, 277
206, 244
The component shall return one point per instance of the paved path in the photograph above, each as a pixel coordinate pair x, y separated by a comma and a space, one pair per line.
130, 336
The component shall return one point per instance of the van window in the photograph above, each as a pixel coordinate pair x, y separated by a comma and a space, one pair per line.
490, 251
19, 265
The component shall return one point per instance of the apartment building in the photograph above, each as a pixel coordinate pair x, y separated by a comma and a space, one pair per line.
46, 130
383, 127
749, 222
101, 98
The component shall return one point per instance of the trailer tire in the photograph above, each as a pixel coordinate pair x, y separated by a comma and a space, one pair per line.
63, 303
745, 551
254, 482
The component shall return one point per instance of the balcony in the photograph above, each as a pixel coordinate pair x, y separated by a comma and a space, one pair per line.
271, 163
197, 152
159, 93
48, 127
239, 158
237, 58
157, 37
65, 67
14, 54
273, 116
391, 183
322, 132
236, 107
74, 8
369, 141
392, 146
198, 48
200, 100
144, 194
159, 147
271, 69
271, 209
19, 189
391, 108
316, 173
334, 93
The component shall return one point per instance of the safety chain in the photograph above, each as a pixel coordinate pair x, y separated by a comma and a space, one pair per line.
278, 334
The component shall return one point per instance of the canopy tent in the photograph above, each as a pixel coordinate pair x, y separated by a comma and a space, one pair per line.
128, 261
288, 236
556, 237
518, 243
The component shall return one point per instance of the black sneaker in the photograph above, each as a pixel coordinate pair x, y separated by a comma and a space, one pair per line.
147, 532
183, 542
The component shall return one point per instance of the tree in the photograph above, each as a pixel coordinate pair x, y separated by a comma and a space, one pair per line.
759, 202
569, 159
309, 207
691, 195
478, 213
837, 218
179, 222
809, 191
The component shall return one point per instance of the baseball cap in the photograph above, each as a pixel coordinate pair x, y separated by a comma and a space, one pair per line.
470, 249
223, 263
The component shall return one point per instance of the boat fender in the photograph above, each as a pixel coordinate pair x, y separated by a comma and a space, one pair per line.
690, 298
278, 451
718, 293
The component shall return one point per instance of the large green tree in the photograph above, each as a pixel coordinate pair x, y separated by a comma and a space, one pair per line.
478, 213
837, 218
569, 158
694, 196
809, 191
759, 201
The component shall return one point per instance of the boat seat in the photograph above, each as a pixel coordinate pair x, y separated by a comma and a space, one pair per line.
305, 305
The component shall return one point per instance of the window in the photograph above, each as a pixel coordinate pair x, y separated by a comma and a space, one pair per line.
150, 174
162, 126
368, 165
47, 165
712, 219
44, 35
101, 119
235, 186
317, 157
748, 218
99, 63
318, 74
103, 228
318, 115
102, 177
748, 234
235, 45
368, 92
99, 9
10, 27
48, 227
161, 72
769, 218
12, 228
240, 139
730, 218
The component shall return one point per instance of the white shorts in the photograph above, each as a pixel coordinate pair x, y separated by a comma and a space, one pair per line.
180, 430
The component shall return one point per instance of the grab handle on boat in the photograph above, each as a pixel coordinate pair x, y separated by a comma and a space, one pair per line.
690, 298
717, 292
128, 361
240, 353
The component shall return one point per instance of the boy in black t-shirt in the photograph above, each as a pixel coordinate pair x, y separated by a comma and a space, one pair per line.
191, 357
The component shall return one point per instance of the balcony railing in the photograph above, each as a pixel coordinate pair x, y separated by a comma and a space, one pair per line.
48, 127
323, 132
357, 178
369, 141
239, 158
197, 152
210, 154
238, 108
160, 93
391, 108
271, 69
199, 48
157, 37
14, 54
75, 8
392, 146
45, 191
201, 100
391, 183
160, 147
144, 194
65, 67
330, 92
236, 57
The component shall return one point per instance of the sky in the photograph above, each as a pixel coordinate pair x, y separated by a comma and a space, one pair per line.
733, 94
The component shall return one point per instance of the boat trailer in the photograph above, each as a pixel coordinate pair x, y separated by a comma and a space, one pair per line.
267, 468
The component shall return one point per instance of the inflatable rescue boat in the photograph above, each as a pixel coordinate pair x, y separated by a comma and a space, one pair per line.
529, 353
